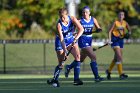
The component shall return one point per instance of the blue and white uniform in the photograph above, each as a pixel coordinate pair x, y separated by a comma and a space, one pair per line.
86, 39
67, 31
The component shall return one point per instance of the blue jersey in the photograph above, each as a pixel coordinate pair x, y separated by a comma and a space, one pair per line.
86, 39
88, 26
67, 31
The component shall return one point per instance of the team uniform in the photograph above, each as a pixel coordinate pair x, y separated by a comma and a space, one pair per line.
67, 31
86, 39
118, 33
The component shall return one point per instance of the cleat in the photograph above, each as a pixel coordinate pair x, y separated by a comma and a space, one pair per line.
67, 71
123, 76
98, 79
53, 82
49, 82
108, 75
78, 82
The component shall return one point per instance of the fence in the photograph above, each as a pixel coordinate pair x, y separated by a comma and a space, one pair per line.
38, 56
5, 43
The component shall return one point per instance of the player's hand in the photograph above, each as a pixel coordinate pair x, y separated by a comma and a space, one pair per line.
75, 41
127, 35
98, 30
65, 54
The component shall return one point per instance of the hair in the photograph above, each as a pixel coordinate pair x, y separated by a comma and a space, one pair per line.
86, 7
122, 12
119, 11
62, 10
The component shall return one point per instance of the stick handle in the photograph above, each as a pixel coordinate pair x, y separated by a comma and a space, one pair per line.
69, 52
94, 49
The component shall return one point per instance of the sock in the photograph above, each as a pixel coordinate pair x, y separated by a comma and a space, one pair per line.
111, 66
94, 68
72, 65
77, 70
119, 67
57, 72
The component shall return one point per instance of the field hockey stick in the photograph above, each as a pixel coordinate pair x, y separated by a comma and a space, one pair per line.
69, 51
94, 49
55, 75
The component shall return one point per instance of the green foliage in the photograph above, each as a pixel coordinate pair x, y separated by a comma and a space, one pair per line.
42, 11
17, 16
135, 32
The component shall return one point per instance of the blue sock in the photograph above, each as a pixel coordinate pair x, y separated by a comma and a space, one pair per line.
57, 72
94, 68
77, 70
72, 65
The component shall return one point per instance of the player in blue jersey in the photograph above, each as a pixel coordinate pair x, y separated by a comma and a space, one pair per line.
85, 43
63, 42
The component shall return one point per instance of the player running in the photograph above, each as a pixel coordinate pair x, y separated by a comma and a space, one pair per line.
63, 42
116, 34
85, 43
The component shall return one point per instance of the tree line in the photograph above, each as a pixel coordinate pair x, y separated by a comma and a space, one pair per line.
17, 16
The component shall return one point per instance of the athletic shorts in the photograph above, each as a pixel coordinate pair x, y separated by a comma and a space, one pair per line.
117, 42
68, 41
85, 41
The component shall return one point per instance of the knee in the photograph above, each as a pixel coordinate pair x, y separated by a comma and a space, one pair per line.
119, 58
61, 65
77, 57
93, 58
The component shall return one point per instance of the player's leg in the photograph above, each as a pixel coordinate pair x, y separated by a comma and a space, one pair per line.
58, 69
69, 67
118, 52
122, 75
120, 60
93, 63
108, 71
114, 46
76, 54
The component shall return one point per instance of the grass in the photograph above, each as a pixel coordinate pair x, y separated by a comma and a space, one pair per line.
31, 57
37, 84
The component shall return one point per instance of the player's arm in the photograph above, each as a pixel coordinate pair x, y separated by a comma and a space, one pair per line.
127, 35
97, 25
79, 27
110, 32
128, 28
59, 28
75, 33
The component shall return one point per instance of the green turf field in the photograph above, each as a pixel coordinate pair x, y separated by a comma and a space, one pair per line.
25, 57
37, 84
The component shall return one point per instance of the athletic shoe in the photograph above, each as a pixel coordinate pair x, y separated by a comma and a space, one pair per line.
123, 76
98, 79
78, 82
67, 71
53, 82
108, 75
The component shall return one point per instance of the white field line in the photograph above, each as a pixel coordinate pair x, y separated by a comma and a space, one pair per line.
50, 76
